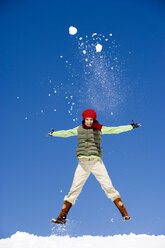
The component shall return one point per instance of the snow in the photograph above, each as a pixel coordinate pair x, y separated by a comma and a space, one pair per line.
94, 34
26, 240
97, 72
72, 30
98, 48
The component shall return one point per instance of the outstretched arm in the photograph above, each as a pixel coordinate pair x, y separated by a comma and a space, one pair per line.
120, 129
63, 133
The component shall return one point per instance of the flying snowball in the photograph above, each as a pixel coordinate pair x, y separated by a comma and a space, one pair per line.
98, 48
72, 30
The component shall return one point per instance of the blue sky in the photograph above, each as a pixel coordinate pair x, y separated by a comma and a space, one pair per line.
37, 171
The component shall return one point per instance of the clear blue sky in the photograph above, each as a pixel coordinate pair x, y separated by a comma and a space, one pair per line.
36, 172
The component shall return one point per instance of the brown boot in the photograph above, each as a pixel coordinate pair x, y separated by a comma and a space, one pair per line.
119, 204
61, 219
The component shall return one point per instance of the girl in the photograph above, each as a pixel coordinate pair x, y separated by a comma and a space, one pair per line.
89, 154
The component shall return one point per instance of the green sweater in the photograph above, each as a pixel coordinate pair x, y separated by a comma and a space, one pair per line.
104, 130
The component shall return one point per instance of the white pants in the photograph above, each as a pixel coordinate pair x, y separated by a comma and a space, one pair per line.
84, 169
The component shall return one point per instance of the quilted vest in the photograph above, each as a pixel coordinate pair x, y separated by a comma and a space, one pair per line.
89, 142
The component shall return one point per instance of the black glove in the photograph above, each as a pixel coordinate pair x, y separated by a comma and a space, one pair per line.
135, 125
50, 134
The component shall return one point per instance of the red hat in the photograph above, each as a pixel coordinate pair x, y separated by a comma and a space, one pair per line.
89, 113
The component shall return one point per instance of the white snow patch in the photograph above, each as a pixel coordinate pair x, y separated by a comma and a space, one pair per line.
84, 52
98, 48
110, 34
26, 240
72, 30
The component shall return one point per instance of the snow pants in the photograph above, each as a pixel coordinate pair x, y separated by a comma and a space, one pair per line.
85, 167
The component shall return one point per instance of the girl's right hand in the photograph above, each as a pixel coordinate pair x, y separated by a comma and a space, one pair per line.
50, 134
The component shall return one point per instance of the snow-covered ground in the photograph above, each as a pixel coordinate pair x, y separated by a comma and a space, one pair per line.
26, 240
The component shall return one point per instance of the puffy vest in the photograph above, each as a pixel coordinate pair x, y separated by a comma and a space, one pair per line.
89, 142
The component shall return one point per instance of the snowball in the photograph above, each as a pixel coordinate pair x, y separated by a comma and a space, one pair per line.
110, 34
84, 52
72, 30
98, 48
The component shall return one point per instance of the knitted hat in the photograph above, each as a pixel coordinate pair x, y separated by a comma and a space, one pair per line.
90, 113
